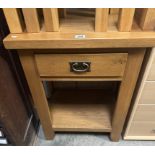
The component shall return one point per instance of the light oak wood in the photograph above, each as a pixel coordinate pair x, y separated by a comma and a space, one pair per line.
57, 40
146, 18
145, 129
31, 19
114, 10
102, 65
126, 19
81, 51
81, 79
73, 110
101, 19
145, 113
77, 24
135, 59
14, 21
151, 75
82, 24
93, 114
148, 93
37, 91
51, 19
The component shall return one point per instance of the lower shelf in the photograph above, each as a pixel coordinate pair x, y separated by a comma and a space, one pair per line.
81, 110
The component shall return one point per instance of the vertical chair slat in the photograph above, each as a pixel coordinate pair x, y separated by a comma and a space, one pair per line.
146, 18
101, 19
114, 10
125, 19
31, 19
51, 19
14, 20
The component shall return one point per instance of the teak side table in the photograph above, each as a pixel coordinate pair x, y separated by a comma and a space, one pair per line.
80, 52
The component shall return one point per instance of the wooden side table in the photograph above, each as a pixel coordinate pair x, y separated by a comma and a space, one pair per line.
77, 53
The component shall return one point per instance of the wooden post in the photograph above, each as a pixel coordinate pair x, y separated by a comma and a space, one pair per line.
146, 18
101, 19
135, 59
13, 19
125, 19
37, 91
51, 19
114, 10
31, 19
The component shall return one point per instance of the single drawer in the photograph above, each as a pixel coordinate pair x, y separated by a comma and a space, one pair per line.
148, 93
142, 129
145, 113
151, 75
81, 65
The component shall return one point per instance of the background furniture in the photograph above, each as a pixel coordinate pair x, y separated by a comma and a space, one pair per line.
18, 123
94, 45
141, 125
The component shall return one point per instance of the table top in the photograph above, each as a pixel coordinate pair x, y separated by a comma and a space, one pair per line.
57, 40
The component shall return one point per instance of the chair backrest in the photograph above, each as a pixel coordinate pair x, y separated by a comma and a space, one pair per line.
33, 20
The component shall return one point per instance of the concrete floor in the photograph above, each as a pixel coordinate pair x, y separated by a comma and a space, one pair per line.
84, 139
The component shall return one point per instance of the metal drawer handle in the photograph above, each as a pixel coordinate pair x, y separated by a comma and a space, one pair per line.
80, 67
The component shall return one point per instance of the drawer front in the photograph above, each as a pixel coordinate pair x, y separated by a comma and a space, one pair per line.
142, 129
151, 75
81, 65
145, 113
148, 93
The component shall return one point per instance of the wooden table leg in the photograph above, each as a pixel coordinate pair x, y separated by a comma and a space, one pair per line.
37, 91
135, 59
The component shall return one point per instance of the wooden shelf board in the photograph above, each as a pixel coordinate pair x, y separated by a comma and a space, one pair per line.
81, 110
